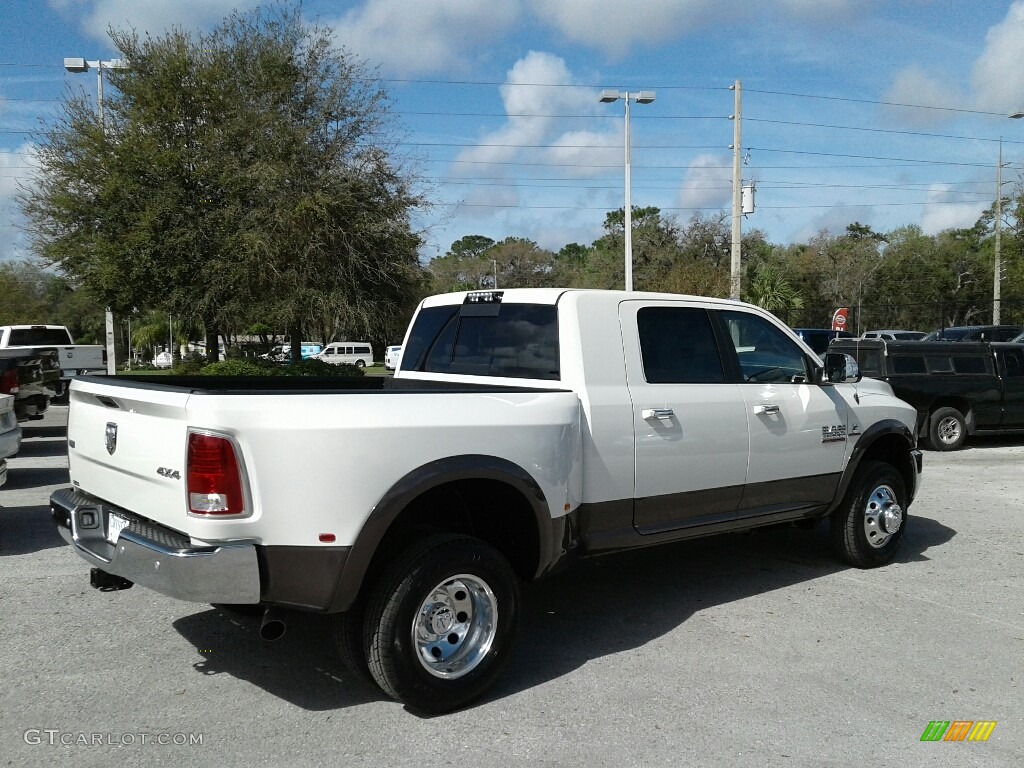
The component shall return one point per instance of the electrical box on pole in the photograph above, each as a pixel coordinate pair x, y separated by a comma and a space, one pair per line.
748, 198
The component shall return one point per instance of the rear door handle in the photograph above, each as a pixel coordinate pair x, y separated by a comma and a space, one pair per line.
766, 408
657, 413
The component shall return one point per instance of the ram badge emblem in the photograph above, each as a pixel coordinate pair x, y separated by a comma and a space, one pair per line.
111, 437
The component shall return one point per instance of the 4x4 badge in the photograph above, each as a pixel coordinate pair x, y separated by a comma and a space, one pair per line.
111, 437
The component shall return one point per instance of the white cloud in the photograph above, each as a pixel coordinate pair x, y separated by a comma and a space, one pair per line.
835, 220
426, 36
616, 27
945, 212
913, 85
998, 77
708, 183
152, 16
537, 89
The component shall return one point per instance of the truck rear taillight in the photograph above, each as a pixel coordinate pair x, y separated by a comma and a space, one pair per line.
9, 382
214, 476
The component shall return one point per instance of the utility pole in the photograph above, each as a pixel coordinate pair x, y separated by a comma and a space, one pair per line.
997, 276
734, 280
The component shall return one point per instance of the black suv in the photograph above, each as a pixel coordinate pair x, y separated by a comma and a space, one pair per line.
975, 333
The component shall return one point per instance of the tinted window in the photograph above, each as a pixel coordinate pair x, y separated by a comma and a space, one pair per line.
870, 362
907, 364
430, 342
1014, 363
678, 346
38, 337
939, 363
975, 364
765, 352
519, 341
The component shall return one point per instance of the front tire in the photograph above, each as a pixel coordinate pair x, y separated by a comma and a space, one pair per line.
441, 622
868, 526
947, 429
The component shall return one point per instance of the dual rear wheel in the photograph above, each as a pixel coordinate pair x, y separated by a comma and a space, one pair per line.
438, 625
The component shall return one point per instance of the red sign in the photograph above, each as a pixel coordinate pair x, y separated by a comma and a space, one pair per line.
839, 319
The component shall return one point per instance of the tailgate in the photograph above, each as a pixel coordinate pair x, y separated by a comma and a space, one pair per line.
120, 440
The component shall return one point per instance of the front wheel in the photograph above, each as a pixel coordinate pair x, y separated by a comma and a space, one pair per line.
441, 622
868, 527
360, 364
947, 429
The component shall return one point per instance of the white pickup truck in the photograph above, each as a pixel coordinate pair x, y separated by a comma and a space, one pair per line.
523, 428
75, 359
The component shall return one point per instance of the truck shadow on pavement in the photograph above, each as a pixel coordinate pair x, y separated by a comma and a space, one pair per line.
29, 430
301, 668
34, 448
596, 608
24, 530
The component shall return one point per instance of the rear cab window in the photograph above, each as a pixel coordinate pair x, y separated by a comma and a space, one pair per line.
489, 338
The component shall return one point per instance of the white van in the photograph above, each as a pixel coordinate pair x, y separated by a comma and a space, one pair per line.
357, 353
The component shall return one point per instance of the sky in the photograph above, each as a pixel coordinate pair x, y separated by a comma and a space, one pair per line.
883, 112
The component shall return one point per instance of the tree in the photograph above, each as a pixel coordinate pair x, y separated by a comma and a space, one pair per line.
240, 175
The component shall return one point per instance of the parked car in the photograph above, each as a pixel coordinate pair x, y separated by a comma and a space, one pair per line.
890, 335
75, 359
958, 389
392, 356
32, 375
357, 353
975, 333
10, 434
524, 428
818, 339
282, 353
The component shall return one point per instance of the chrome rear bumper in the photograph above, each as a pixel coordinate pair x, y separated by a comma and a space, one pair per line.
154, 556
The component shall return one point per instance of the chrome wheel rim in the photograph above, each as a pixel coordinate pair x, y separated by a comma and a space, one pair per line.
949, 430
455, 626
883, 516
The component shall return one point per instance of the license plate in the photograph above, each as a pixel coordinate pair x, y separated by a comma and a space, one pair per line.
115, 524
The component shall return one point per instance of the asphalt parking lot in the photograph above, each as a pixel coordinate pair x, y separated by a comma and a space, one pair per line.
745, 650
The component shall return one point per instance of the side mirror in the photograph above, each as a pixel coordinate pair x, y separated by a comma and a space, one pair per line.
840, 368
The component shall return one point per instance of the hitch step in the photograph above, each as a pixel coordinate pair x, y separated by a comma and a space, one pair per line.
108, 582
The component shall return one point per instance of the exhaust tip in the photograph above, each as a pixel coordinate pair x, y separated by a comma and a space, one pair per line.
272, 627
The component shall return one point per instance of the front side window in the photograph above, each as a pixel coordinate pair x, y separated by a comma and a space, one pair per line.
764, 351
678, 346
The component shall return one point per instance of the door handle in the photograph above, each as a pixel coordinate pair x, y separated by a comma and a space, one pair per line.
657, 413
766, 408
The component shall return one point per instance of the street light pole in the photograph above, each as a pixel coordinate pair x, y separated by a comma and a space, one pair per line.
641, 97
82, 65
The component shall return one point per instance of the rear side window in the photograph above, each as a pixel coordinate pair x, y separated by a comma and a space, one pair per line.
517, 341
907, 364
678, 346
976, 364
870, 362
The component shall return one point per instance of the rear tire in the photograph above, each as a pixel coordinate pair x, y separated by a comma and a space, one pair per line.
441, 623
347, 631
947, 429
868, 526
